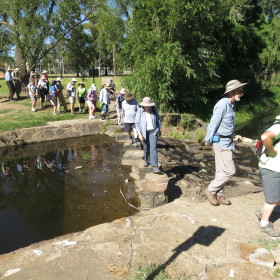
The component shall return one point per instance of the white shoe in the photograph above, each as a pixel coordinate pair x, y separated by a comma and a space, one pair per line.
91, 117
33, 109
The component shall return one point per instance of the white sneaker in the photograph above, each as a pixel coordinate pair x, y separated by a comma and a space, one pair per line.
91, 117
33, 109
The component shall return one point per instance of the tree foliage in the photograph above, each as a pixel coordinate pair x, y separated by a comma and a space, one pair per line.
180, 49
38, 26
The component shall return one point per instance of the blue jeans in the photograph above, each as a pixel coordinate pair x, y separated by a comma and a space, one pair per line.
118, 114
150, 148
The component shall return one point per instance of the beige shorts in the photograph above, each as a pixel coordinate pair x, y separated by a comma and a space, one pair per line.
72, 99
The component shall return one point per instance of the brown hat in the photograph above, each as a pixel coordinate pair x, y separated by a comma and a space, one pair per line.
128, 96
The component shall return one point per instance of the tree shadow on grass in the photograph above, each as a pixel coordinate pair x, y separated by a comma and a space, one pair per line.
203, 236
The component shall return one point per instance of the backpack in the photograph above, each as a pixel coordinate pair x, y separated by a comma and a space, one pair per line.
260, 148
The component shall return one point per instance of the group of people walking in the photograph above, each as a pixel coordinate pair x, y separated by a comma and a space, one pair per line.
142, 123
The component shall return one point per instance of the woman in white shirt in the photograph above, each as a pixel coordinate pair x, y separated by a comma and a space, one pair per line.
147, 122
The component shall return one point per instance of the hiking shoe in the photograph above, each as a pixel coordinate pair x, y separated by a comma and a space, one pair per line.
156, 170
259, 213
146, 164
212, 198
269, 229
222, 200
33, 109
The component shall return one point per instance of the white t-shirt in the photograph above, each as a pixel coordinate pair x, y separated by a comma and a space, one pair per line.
272, 164
149, 121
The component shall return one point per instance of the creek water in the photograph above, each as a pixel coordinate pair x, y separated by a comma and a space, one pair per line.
55, 188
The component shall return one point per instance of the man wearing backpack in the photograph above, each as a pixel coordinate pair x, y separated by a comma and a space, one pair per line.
269, 165
220, 132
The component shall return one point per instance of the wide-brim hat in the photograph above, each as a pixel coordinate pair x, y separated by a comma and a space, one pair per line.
232, 85
81, 83
123, 91
74, 80
16, 69
58, 79
147, 102
10, 69
45, 72
107, 86
93, 87
128, 96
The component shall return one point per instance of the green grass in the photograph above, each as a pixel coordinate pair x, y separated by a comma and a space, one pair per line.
24, 119
276, 273
269, 244
143, 273
4, 111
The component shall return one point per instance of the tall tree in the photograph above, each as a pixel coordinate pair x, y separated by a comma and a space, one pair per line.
37, 26
180, 49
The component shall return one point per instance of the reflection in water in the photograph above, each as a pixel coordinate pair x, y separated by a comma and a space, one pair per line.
62, 191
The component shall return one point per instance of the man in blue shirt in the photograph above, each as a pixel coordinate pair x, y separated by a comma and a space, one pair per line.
220, 132
9, 81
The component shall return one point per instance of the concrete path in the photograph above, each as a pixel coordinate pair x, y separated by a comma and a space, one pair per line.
196, 240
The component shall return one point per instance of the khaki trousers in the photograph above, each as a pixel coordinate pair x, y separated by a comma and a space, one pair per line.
61, 102
225, 169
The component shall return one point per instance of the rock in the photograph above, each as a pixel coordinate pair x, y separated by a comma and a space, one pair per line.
262, 256
202, 164
276, 255
199, 156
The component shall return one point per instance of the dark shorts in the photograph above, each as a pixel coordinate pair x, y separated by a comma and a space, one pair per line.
128, 127
82, 100
54, 99
271, 185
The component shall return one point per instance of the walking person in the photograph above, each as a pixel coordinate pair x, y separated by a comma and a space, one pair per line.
10, 84
269, 165
61, 99
119, 101
104, 98
54, 97
220, 132
128, 114
32, 93
91, 99
81, 96
148, 124
42, 87
71, 93
17, 82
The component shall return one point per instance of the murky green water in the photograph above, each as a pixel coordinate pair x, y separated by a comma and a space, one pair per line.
55, 188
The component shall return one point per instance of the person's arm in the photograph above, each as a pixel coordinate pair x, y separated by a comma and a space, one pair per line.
214, 123
122, 115
267, 139
138, 125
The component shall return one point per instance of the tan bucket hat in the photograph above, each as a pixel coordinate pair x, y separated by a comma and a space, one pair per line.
147, 102
232, 85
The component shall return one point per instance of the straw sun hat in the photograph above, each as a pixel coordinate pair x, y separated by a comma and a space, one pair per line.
232, 85
147, 102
